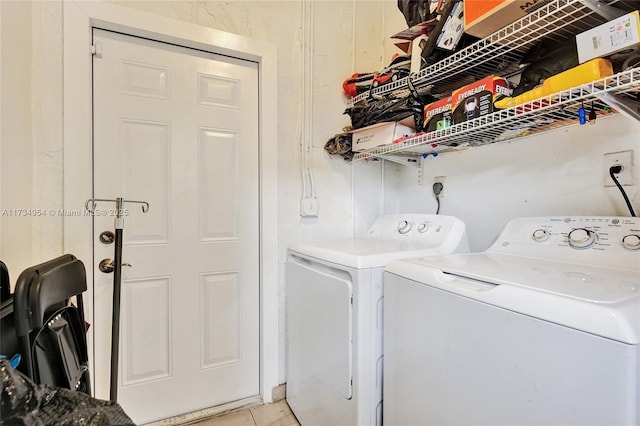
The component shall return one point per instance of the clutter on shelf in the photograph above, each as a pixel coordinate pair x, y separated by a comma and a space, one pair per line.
477, 99
390, 107
617, 40
555, 55
581, 74
425, 42
340, 144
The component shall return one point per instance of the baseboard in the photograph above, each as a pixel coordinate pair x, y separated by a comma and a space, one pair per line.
279, 392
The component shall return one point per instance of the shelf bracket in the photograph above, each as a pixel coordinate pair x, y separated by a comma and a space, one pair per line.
608, 12
623, 106
405, 160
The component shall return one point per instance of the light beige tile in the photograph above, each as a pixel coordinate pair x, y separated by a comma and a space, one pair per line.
237, 418
276, 414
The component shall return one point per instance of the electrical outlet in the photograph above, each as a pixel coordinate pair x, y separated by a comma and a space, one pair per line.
309, 207
440, 179
622, 158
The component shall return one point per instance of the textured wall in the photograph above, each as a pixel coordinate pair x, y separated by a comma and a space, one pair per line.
557, 173
344, 36
16, 167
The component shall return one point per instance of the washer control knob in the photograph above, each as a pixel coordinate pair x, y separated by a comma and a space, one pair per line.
540, 235
581, 238
631, 241
404, 227
423, 227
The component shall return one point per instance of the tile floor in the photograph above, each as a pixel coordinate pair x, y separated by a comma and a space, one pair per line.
276, 414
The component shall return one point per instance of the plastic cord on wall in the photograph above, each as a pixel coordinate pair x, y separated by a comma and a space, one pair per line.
612, 173
306, 133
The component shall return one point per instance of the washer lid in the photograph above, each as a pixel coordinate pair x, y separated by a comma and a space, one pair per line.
362, 253
597, 300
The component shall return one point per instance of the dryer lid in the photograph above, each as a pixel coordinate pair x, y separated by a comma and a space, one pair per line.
598, 300
363, 253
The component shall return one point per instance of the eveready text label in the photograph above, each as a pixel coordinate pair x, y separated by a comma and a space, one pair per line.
471, 92
438, 110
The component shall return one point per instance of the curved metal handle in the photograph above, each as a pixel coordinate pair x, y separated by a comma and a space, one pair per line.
90, 204
106, 265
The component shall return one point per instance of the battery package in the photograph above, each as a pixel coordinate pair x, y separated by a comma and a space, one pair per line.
437, 115
620, 34
477, 99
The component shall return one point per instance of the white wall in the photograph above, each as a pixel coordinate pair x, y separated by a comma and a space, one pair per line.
557, 173
16, 144
347, 36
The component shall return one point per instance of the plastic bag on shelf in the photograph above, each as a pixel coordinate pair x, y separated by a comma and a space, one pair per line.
415, 11
340, 145
25, 403
383, 108
544, 60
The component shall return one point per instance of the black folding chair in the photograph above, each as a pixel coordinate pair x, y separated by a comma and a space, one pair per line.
5, 284
50, 329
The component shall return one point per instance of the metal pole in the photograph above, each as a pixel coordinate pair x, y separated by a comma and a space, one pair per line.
117, 284
115, 314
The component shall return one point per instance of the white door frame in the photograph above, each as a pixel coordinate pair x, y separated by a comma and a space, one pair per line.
79, 18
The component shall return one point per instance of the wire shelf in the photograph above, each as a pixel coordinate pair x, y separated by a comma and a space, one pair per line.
500, 53
550, 112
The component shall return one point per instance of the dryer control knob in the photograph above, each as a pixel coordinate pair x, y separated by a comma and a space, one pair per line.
631, 241
540, 235
404, 227
581, 238
423, 227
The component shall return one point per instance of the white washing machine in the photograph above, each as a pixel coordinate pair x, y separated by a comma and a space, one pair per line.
541, 329
334, 315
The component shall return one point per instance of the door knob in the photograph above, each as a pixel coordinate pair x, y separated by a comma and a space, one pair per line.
106, 265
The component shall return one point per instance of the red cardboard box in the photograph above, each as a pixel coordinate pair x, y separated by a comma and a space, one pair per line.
484, 17
476, 99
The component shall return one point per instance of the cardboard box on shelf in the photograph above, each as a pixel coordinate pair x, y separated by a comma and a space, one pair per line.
453, 29
484, 17
437, 115
612, 37
476, 99
379, 134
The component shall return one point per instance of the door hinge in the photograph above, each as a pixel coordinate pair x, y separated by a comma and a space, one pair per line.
96, 49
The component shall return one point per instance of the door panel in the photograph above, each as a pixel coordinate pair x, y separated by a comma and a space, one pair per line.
178, 128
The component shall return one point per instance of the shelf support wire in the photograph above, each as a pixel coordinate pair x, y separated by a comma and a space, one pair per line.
606, 11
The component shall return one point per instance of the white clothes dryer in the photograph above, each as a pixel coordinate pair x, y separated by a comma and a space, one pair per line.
543, 328
334, 315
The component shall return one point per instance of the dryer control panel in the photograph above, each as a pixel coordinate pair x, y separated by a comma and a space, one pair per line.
416, 227
605, 240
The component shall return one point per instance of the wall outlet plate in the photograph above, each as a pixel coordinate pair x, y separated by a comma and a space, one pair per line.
309, 207
623, 158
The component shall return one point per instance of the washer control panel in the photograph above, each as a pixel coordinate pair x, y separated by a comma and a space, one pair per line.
589, 237
585, 232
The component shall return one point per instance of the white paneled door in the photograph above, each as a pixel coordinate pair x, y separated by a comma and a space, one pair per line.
178, 128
